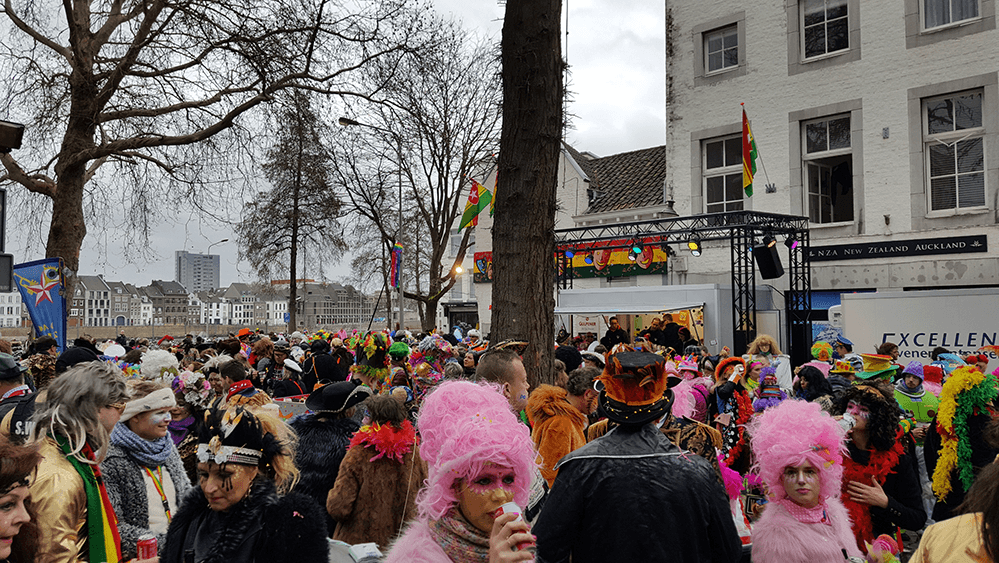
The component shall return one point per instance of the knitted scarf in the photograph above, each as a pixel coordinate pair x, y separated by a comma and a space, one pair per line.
734, 435
148, 453
102, 524
879, 466
179, 429
388, 441
812, 515
461, 541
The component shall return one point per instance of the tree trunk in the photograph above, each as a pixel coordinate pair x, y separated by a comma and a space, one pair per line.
523, 232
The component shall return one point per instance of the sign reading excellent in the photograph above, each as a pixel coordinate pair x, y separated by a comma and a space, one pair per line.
892, 248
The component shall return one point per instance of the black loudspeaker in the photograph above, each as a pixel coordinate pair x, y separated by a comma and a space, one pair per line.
768, 261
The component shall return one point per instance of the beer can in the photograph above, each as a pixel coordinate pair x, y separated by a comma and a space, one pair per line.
146, 546
512, 508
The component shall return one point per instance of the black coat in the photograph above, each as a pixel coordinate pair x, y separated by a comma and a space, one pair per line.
631, 495
615, 337
905, 498
262, 528
322, 443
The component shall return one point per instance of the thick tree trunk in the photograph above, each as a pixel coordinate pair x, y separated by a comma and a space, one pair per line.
523, 232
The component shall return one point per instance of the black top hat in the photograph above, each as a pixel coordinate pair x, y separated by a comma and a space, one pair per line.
337, 397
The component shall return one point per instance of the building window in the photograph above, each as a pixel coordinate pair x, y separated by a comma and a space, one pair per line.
721, 49
828, 169
722, 175
826, 27
955, 150
938, 13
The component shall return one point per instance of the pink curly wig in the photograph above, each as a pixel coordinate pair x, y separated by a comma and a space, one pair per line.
464, 426
791, 433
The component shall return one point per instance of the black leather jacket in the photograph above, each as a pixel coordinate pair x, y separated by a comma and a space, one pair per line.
632, 495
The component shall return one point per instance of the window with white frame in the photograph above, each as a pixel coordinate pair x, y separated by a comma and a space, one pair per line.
721, 49
955, 150
938, 13
828, 169
722, 174
826, 27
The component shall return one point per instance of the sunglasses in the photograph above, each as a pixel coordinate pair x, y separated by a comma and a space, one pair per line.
120, 407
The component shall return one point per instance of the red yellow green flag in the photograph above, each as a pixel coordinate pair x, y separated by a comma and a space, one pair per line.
478, 199
748, 156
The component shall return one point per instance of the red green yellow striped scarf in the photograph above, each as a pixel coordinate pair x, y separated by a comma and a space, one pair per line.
102, 524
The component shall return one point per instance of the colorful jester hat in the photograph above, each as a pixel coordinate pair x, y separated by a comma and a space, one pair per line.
965, 393
373, 360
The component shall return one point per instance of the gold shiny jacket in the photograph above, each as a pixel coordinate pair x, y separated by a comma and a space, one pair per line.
61, 504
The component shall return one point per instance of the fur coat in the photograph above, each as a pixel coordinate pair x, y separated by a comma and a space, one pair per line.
557, 427
416, 545
371, 500
322, 443
778, 537
262, 528
126, 487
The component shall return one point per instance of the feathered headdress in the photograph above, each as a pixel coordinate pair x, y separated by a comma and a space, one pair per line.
372, 359
965, 391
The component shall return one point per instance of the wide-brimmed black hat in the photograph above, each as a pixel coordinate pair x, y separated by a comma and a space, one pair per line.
337, 397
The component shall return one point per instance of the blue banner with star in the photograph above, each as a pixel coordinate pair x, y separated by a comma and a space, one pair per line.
40, 283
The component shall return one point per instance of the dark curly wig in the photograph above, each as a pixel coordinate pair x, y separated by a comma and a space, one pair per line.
879, 400
817, 386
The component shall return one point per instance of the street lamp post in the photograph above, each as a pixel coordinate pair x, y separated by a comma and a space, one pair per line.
204, 306
346, 122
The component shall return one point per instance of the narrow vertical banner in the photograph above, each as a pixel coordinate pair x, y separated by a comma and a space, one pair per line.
396, 269
40, 284
748, 155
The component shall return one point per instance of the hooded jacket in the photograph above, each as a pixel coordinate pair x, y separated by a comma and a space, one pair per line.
262, 528
557, 427
657, 502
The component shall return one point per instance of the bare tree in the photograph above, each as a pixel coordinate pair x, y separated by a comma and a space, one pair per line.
440, 125
524, 228
301, 210
157, 89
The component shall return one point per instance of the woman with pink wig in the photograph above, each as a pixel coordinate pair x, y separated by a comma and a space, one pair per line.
799, 455
479, 457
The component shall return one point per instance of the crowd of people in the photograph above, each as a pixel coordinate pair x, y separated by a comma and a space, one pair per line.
437, 448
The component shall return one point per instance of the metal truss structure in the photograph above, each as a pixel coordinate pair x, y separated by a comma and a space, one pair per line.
743, 230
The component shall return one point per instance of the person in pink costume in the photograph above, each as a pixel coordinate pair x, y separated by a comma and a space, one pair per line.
799, 455
479, 457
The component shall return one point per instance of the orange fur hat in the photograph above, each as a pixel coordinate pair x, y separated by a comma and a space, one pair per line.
635, 386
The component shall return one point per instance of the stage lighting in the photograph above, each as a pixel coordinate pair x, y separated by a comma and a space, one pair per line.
791, 243
769, 241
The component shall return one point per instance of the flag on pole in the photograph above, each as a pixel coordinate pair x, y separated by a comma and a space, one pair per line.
396, 267
478, 199
40, 284
748, 155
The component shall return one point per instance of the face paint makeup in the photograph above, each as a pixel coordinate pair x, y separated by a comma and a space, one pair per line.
160, 418
480, 496
802, 484
225, 485
858, 411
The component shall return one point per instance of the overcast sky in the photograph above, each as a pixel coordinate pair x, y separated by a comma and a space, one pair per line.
615, 55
